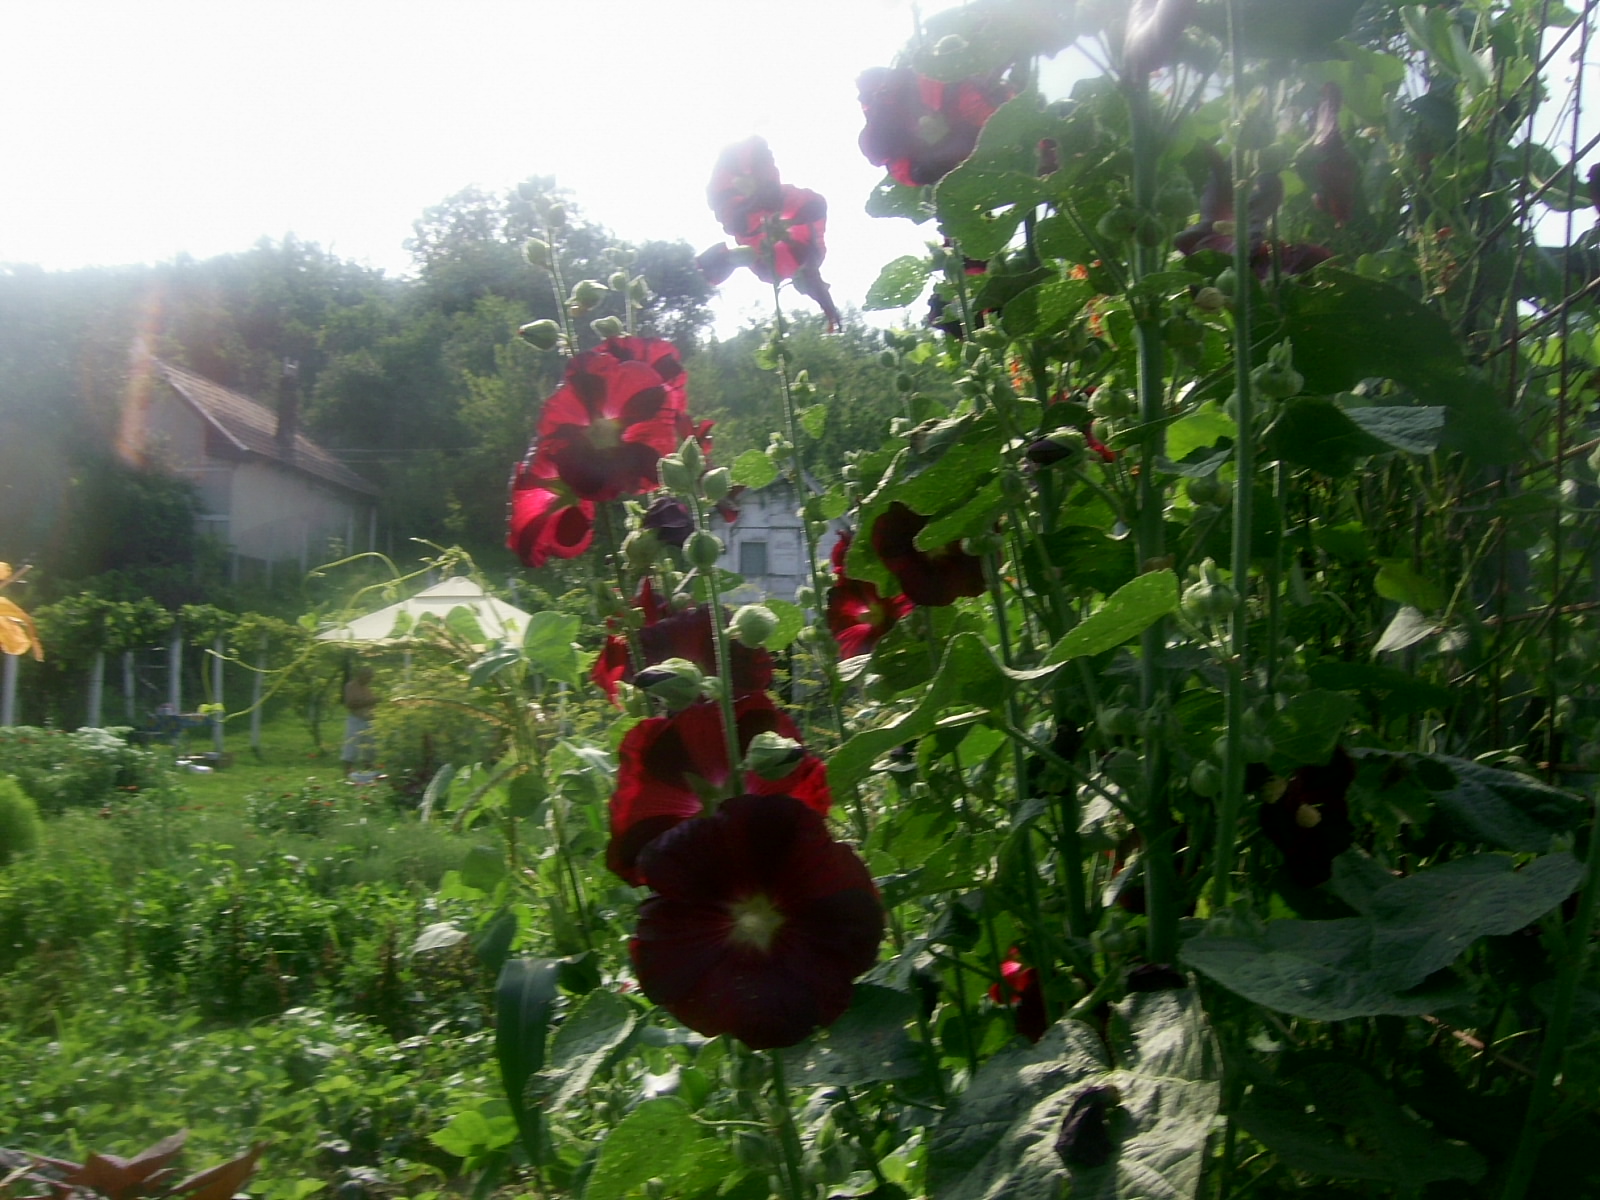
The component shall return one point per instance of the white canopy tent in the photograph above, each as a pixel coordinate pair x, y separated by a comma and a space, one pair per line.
496, 618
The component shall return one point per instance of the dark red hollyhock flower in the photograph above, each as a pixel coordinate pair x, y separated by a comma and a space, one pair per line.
1310, 820
671, 521
1334, 170
760, 922
1216, 204
745, 187
1154, 28
685, 634
858, 614
933, 578
546, 519
667, 764
608, 425
1018, 988
660, 355
919, 128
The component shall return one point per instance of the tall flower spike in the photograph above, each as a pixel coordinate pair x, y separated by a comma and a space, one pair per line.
760, 924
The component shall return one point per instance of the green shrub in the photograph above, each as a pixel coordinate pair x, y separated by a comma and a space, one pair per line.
88, 768
305, 809
19, 821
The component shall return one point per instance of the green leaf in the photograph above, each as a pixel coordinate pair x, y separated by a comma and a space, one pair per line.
548, 645
968, 676
998, 1138
814, 420
1408, 627
898, 284
1317, 433
869, 1044
1306, 730
791, 620
1398, 580
1380, 963
1494, 807
754, 470
461, 622
1203, 428
523, 996
586, 1042
1357, 1131
1414, 430
483, 867
491, 664
660, 1140
471, 1133
1398, 692
1128, 612
494, 939
977, 515
890, 198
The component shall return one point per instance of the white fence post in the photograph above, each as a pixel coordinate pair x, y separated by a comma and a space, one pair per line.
97, 687
217, 664
8, 690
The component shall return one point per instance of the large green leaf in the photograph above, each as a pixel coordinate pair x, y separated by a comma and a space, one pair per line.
1127, 612
523, 996
586, 1042
548, 645
1305, 731
1486, 805
999, 1139
1315, 432
868, 1044
1380, 962
898, 284
660, 1140
753, 470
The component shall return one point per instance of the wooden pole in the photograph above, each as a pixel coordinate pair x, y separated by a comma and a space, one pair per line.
175, 670
129, 701
255, 696
8, 690
97, 685
217, 648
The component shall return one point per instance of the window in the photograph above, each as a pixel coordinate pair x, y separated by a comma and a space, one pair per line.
752, 559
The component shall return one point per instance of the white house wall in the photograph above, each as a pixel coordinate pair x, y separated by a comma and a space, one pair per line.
278, 515
771, 516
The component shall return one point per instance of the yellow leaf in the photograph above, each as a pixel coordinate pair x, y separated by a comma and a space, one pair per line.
5, 571
17, 632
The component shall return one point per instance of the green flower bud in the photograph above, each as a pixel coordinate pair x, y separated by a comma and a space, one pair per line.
587, 294
1227, 283
675, 475
1277, 382
556, 218
608, 327
542, 335
888, 359
772, 756
641, 548
704, 549
1118, 721
536, 251
1113, 403
1210, 299
753, 624
1208, 600
1206, 779
1208, 489
639, 291
716, 484
693, 457
677, 682
618, 281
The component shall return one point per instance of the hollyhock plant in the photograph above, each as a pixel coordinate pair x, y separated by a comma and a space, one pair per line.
1334, 171
546, 519
858, 614
668, 764
607, 426
933, 578
1018, 988
920, 129
686, 634
759, 925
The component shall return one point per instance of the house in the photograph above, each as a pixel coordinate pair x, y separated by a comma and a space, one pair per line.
266, 490
767, 544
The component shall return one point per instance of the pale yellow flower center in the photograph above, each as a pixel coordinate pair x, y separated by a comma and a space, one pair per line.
756, 921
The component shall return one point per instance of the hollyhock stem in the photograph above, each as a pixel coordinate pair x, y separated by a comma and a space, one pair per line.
559, 285
1161, 883
1244, 452
788, 1138
719, 639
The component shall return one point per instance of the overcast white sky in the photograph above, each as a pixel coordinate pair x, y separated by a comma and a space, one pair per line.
132, 131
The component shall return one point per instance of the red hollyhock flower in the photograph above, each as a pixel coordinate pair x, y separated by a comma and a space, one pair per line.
1310, 820
660, 355
933, 578
608, 425
1334, 170
667, 764
745, 188
1018, 988
760, 924
921, 129
858, 614
686, 634
546, 519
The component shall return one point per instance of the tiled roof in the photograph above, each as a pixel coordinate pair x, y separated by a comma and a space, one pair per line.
249, 427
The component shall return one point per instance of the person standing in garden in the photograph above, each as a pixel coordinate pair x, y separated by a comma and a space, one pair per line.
359, 701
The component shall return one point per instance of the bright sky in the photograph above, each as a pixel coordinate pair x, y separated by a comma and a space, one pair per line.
131, 132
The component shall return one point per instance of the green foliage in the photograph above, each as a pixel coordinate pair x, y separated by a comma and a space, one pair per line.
86, 769
305, 809
19, 821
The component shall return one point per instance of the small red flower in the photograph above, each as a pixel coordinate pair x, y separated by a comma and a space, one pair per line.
921, 129
1018, 988
858, 614
546, 518
933, 578
668, 764
760, 924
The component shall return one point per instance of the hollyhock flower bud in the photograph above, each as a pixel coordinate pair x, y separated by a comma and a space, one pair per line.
587, 294
716, 484
556, 217
772, 756
753, 624
639, 290
618, 281
640, 549
677, 682
536, 251
704, 549
693, 459
542, 335
674, 475
1059, 447
608, 327
1210, 299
